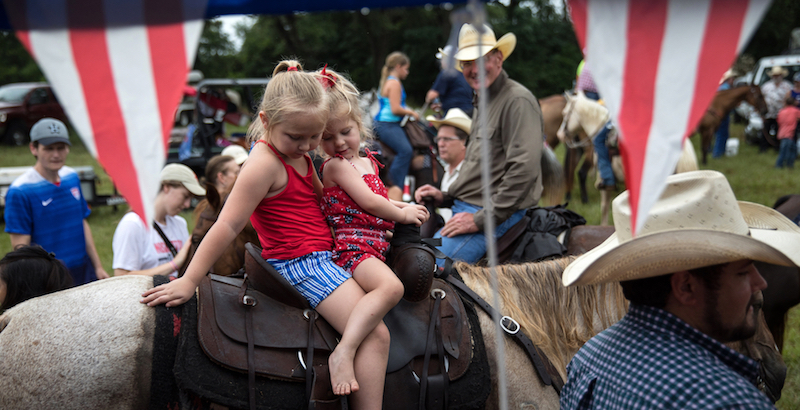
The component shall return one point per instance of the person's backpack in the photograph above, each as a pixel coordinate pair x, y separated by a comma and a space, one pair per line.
540, 240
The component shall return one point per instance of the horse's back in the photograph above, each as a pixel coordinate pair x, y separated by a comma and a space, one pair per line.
88, 347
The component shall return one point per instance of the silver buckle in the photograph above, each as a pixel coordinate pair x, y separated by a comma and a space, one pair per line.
511, 321
248, 300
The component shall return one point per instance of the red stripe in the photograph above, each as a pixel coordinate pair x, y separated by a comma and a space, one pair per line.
717, 52
168, 56
646, 26
89, 49
578, 10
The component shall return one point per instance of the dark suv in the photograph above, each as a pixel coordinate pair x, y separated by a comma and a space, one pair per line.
21, 105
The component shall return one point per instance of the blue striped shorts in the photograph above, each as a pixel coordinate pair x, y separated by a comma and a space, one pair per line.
314, 275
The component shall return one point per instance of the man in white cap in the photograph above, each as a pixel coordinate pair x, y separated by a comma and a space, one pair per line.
692, 286
775, 92
45, 205
514, 135
452, 132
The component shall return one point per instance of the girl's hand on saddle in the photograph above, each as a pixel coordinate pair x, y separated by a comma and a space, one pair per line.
415, 214
175, 293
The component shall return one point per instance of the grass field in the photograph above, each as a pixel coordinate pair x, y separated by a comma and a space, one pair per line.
751, 175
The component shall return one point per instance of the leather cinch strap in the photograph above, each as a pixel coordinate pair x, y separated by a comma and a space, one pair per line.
538, 358
249, 302
438, 383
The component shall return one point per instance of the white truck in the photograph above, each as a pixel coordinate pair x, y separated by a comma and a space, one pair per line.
759, 76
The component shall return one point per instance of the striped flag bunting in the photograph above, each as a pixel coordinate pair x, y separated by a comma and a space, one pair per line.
657, 65
118, 69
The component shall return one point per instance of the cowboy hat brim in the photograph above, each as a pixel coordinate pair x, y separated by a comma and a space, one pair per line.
771, 240
506, 45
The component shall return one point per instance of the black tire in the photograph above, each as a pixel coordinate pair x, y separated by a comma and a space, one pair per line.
16, 134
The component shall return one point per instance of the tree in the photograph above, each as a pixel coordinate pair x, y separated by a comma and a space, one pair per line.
18, 65
216, 55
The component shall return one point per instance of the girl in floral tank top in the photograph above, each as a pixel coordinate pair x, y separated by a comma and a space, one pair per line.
279, 187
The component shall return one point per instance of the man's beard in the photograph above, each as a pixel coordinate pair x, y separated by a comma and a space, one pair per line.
740, 332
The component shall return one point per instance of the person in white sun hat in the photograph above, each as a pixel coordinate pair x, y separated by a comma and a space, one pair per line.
514, 135
692, 286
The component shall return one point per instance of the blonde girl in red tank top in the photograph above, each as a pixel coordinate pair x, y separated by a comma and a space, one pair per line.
279, 173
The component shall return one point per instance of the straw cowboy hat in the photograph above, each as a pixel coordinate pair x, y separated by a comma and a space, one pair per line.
455, 117
697, 222
726, 75
778, 70
468, 39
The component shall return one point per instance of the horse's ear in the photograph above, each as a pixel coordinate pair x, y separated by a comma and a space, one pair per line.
212, 195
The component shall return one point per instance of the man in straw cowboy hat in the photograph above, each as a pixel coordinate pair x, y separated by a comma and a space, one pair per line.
775, 92
690, 278
514, 134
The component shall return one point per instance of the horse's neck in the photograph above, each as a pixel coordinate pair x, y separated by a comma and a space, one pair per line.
725, 100
592, 115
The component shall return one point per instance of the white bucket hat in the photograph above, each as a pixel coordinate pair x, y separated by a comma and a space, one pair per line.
183, 174
455, 117
697, 222
469, 50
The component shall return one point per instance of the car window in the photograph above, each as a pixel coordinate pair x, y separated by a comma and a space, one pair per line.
12, 94
765, 73
38, 96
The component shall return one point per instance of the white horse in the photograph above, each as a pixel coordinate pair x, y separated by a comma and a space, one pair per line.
583, 119
90, 347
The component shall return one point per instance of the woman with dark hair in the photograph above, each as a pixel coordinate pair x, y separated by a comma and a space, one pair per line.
28, 272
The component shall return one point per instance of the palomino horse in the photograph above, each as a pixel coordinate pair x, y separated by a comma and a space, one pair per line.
723, 102
552, 117
91, 347
583, 118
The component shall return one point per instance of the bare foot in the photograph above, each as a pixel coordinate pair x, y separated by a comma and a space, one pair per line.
343, 378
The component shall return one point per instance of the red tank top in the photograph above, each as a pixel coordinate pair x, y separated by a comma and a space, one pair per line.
291, 224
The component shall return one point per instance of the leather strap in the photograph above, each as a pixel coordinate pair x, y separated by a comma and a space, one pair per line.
434, 337
538, 358
249, 302
310, 373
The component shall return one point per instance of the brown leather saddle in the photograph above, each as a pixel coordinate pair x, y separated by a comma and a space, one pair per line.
262, 325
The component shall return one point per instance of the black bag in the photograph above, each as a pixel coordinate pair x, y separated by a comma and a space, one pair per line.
418, 136
540, 240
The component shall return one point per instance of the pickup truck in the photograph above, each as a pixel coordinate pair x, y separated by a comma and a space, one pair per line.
21, 105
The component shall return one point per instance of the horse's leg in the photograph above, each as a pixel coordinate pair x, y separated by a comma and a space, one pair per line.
570, 163
523, 386
605, 202
583, 173
705, 142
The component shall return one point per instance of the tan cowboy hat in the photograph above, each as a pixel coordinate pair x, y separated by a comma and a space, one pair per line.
697, 222
454, 117
728, 74
778, 70
468, 49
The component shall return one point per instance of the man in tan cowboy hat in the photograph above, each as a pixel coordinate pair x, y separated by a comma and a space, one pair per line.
692, 286
775, 92
451, 138
514, 134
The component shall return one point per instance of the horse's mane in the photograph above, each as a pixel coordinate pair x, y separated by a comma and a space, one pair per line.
552, 315
592, 114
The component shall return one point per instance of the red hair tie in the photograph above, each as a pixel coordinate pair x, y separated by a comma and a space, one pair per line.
292, 69
327, 80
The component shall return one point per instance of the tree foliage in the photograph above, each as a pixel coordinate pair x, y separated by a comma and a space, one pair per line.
18, 65
772, 36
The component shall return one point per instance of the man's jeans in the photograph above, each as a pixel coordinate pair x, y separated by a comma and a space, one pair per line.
603, 157
471, 247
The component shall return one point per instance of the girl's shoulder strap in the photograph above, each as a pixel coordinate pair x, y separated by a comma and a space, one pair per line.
277, 154
375, 163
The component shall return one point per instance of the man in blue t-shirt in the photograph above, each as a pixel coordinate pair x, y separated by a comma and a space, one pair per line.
450, 87
45, 205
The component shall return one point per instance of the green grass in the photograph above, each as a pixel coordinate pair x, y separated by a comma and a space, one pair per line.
751, 175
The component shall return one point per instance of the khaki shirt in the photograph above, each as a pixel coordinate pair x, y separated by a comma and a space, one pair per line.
514, 132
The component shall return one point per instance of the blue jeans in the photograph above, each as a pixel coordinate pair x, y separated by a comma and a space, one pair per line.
472, 246
787, 153
721, 138
603, 158
391, 134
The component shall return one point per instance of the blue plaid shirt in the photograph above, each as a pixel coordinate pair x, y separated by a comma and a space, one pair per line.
653, 360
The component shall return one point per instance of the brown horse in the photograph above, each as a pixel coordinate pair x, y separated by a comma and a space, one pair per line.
723, 102
552, 117
205, 214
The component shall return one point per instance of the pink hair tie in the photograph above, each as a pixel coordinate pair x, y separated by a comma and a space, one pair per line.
292, 69
327, 80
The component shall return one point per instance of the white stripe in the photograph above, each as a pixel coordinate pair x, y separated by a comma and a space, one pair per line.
755, 11
193, 13
674, 92
606, 46
132, 70
53, 52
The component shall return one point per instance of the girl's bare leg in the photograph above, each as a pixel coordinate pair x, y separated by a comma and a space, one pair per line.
363, 351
